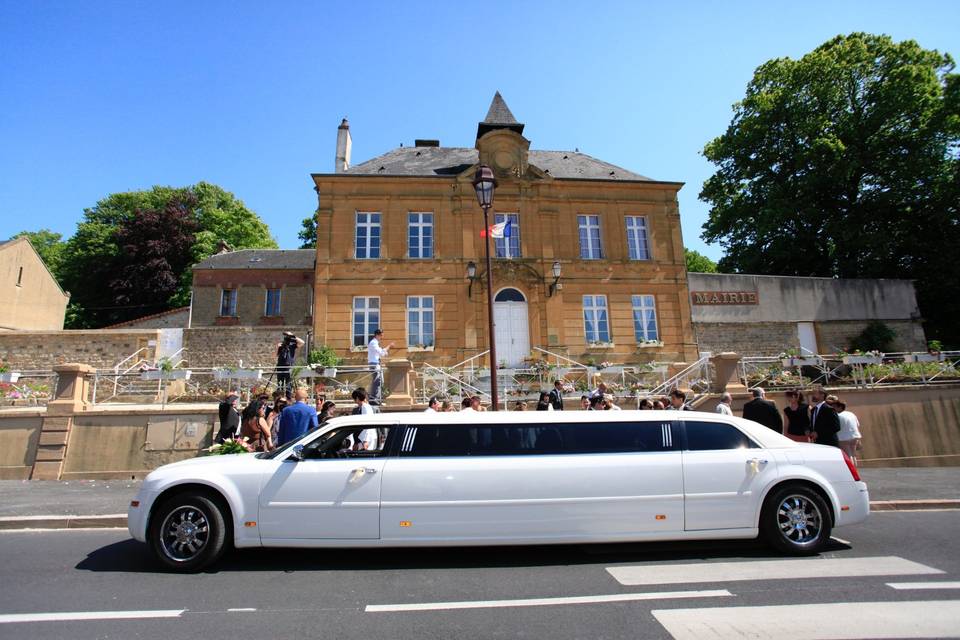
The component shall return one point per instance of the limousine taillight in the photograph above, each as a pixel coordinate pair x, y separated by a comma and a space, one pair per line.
851, 466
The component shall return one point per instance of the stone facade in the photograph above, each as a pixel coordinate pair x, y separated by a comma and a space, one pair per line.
102, 349
227, 346
768, 338
838, 335
32, 299
547, 198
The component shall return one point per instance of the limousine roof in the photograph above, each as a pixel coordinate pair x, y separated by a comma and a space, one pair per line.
758, 432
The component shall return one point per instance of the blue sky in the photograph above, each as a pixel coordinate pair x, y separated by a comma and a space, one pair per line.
99, 97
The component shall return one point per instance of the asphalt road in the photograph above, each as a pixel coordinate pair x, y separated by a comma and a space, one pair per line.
335, 593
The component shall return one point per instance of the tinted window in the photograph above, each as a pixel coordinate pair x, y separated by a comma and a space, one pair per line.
709, 436
543, 439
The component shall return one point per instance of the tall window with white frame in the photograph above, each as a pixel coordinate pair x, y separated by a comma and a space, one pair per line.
228, 302
272, 304
509, 245
595, 321
645, 318
589, 229
366, 319
368, 236
420, 235
638, 245
419, 321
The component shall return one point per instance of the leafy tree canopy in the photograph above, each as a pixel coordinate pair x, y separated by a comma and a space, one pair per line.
699, 263
845, 163
119, 263
49, 245
308, 233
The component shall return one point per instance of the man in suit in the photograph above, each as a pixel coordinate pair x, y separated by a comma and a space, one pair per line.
824, 421
229, 417
556, 396
763, 411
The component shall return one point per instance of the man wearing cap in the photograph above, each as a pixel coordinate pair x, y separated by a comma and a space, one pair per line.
229, 417
374, 353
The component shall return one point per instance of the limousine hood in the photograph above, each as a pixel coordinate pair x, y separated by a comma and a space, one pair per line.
224, 461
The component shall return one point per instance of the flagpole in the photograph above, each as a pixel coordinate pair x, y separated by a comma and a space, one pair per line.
494, 396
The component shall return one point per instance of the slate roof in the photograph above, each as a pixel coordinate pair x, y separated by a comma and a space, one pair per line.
442, 161
261, 259
499, 116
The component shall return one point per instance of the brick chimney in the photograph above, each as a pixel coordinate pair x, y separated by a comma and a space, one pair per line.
344, 143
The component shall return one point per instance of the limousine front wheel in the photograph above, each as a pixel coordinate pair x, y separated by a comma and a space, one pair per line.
187, 532
796, 520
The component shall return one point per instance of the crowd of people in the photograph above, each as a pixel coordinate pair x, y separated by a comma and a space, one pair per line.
823, 419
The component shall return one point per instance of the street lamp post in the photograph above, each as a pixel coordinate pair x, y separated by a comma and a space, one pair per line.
484, 183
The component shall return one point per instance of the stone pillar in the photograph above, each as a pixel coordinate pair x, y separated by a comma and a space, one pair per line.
725, 373
399, 380
73, 389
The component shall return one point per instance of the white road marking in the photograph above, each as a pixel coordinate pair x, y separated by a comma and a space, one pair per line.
544, 602
839, 621
89, 615
923, 585
72, 529
840, 540
241, 609
767, 570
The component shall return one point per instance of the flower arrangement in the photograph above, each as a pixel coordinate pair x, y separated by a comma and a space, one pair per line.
229, 446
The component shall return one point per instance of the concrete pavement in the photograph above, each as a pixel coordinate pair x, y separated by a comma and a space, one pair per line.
896, 570
103, 503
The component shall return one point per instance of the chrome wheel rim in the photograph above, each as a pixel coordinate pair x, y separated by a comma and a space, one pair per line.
184, 533
799, 519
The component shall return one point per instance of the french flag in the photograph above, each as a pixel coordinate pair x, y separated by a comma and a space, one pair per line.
499, 230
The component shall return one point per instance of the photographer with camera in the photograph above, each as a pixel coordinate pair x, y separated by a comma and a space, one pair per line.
286, 355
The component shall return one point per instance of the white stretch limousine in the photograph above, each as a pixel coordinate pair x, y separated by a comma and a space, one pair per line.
503, 478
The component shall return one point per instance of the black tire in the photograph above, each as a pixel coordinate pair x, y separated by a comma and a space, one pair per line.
796, 520
188, 532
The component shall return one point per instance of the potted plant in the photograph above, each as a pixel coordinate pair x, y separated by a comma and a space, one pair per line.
8, 376
239, 373
165, 371
325, 360
863, 357
649, 344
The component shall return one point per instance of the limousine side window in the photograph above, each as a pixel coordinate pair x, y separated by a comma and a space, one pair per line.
353, 442
711, 436
537, 439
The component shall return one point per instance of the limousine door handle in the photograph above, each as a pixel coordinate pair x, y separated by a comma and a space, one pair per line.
756, 463
362, 470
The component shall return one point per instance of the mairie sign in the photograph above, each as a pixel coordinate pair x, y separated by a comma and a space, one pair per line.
724, 297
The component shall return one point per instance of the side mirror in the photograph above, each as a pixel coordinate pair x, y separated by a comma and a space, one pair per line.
297, 453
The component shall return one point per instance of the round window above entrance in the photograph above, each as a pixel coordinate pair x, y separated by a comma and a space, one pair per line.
509, 295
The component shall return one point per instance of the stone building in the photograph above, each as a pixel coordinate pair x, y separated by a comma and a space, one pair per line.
400, 233
765, 315
32, 298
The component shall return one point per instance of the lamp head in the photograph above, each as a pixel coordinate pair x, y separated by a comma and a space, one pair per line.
484, 182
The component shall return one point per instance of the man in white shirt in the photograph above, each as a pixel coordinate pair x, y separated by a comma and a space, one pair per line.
374, 353
724, 407
433, 406
849, 436
369, 438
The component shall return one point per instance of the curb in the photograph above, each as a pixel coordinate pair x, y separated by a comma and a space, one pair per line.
913, 505
64, 522
119, 520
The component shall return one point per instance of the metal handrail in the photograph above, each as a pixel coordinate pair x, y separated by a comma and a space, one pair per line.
116, 367
560, 357
451, 379
674, 381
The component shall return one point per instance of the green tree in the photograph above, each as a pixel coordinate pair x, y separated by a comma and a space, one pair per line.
844, 163
49, 245
308, 233
92, 258
699, 263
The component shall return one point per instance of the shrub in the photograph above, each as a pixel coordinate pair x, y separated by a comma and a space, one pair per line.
324, 356
875, 336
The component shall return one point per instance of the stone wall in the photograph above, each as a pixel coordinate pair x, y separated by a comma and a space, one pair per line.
772, 338
101, 349
19, 435
832, 336
769, 338
226, 346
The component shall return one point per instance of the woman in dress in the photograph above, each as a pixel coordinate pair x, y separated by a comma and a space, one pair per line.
797, 414
543, 404
255, 428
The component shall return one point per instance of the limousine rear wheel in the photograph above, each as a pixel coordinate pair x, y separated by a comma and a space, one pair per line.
187, 532
796, 520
